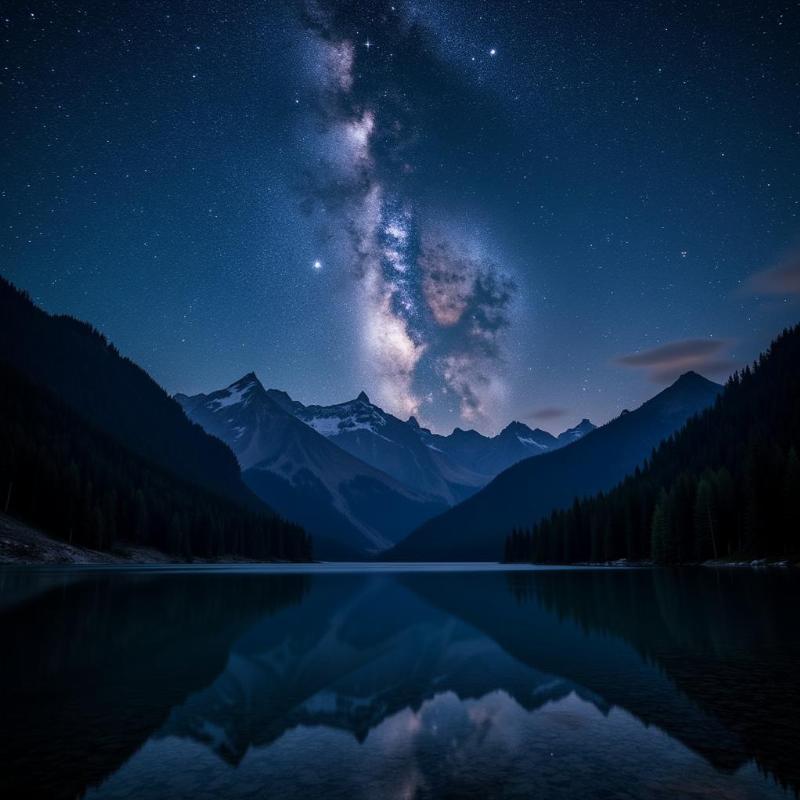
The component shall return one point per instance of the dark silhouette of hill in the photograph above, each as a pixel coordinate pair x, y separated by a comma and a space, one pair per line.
79, 365
95, 452
726, 485
81, 485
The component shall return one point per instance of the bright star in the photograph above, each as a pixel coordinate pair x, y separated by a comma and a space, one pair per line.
493, 52
317, 264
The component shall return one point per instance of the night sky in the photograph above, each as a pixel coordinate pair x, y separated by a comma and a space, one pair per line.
474, 211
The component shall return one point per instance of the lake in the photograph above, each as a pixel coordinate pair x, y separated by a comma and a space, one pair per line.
399, 683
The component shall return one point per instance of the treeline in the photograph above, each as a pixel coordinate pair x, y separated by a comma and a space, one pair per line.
80, 485
726, 486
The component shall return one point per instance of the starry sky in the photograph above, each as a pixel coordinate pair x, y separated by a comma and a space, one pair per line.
474, 211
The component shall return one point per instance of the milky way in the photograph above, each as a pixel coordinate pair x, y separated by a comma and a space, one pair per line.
476, 211
433, 310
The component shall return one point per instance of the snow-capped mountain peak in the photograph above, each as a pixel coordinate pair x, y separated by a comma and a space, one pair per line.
256, 423
578, 432
238, 392
305, 476
355, 415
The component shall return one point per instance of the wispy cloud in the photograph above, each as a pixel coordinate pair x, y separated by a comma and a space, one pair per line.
547, 413
668, 361
782, 279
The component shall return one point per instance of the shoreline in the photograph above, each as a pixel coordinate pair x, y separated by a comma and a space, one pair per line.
22, 545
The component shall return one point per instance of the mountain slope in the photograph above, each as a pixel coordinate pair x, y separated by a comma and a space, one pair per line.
571, 435
78, 364
488, 456
380, 439
349, 506
81, 485
475, 530
726, 485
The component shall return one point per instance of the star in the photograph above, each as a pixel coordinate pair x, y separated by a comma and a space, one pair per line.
493, 52
368, 44
317, 264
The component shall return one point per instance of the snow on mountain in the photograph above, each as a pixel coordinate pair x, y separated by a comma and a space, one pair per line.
305, 475
578, 432
484, 457
325, 466
387, 443
449, 467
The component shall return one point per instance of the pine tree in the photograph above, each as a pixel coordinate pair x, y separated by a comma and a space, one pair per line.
791, 504
705, 521
661, 533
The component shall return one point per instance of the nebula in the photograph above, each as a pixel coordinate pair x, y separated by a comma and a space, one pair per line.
433, 315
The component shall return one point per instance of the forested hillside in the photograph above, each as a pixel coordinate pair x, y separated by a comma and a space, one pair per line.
80, 366
78, 484
727, 485
530, 490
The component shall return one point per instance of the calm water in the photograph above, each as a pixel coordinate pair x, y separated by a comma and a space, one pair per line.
435, 684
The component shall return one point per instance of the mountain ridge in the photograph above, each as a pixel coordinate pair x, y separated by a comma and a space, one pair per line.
77, 363
305, 475
527, 491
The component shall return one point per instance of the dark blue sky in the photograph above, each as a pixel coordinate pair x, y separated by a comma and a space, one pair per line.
509, 204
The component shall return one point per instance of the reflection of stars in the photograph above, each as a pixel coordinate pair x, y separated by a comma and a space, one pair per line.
317, 264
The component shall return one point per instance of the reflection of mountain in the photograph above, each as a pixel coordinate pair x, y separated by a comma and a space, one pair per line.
357, 652
234, 664
354, 653
90, 669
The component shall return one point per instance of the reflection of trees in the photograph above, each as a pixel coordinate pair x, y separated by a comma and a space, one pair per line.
93, 668
727, 638
708, 657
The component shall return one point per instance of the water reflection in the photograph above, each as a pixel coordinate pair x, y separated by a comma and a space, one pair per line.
547, 683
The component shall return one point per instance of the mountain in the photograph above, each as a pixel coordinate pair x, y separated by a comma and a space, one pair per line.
395, 447
571, 435
486, 457
351, 507
77, 364
449, 467
271, 653
725, 486
79, 484
519, 497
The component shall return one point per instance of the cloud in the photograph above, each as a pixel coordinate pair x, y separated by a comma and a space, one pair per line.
547, 413
668, 361
783, 279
